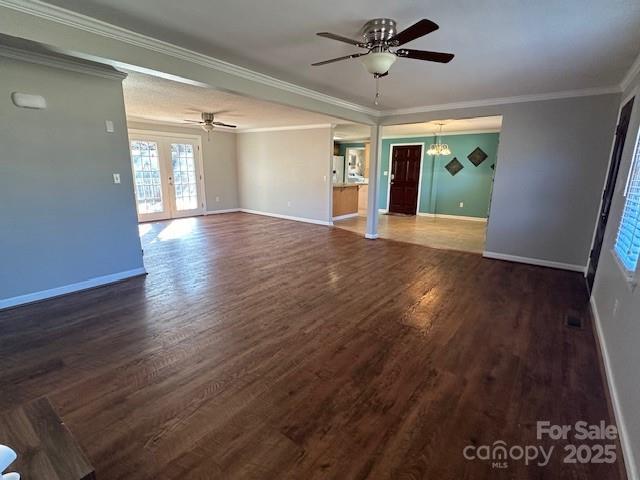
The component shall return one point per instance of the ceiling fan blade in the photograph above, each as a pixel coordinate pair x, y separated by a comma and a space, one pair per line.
417, 30
192, 121
425, 55
220, 124
346, 57
340, 38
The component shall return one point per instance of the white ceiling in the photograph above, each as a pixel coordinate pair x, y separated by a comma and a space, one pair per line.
156, 100
503, 48
478, 124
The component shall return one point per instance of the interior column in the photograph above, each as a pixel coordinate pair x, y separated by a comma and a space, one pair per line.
374, 183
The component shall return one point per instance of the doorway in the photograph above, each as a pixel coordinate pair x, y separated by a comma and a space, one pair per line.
404, 184
167, 175
438, 200
607, 196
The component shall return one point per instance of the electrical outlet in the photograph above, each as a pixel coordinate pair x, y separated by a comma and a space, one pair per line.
217, 199
109, 126
385, 173
116, 178
288, 203
461, 204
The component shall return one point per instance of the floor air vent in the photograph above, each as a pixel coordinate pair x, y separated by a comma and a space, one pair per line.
573, 321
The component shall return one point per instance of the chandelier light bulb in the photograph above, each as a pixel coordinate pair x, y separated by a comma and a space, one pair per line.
438, 148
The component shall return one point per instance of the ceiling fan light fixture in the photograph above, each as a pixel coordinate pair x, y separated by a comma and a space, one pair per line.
207, 127
378, 62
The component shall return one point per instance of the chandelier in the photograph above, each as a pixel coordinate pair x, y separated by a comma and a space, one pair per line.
439, 148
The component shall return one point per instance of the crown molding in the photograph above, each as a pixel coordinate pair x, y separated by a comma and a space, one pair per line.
63, 62
141, 122
72, 19
131, 119
280, 129
82, 22
421, 135
353, 140
631, 74
443, 134
490, 102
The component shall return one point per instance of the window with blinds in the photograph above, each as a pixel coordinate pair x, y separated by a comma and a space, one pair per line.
627, 246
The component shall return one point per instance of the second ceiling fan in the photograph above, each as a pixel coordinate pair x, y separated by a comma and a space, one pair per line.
381, 39
208, 122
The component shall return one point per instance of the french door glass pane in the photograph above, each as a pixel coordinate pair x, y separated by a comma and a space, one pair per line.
184, 179
146, 171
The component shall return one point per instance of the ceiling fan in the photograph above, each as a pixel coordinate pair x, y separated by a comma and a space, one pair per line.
379, 37
207, 122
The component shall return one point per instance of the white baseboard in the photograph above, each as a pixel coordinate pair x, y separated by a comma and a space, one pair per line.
287, 217
344, 217
383, 210
535, 261
629, 460
453, 217
370, 237
71, 288
227, 210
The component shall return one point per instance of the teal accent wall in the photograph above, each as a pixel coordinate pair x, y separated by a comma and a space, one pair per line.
344, 146
440, 192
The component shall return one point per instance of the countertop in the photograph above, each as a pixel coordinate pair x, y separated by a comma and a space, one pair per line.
342, 185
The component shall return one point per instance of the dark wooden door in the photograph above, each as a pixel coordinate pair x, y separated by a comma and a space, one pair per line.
607, 197
405, 177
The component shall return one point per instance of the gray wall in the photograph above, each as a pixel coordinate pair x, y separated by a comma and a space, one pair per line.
620, 327
551, 165
219, 159
63, 219
278, 167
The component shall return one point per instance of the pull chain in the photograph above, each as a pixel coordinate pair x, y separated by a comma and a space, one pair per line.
376, 100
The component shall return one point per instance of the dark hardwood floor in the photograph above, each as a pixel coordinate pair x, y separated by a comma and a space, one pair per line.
259, 348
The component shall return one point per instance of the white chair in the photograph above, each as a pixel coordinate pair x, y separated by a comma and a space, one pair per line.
7, 456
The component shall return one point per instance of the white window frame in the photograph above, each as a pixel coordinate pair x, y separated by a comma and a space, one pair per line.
631, 276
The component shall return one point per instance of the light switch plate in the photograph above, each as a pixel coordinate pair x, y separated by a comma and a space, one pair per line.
116, 178
109, 125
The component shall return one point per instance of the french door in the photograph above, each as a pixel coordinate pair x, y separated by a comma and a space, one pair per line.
167, 175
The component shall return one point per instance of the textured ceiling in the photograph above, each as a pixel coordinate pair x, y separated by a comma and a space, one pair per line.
156, 100
354, 131
503, 48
